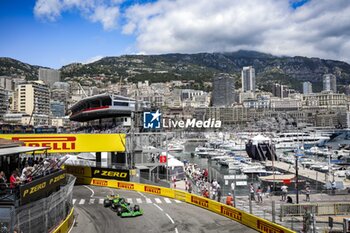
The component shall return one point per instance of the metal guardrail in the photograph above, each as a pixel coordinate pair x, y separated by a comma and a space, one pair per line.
339, 208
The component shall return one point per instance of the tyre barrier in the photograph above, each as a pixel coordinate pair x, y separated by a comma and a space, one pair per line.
252, 221
66, 224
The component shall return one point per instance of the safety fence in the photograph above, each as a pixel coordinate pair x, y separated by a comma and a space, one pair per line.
237, 215
44, 215
338, 208
66, 224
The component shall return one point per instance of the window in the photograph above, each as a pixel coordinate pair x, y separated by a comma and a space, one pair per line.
120, 104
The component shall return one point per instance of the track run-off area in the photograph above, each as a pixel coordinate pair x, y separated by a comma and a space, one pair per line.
161, 214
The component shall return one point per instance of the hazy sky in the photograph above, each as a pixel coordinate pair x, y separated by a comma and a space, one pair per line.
57, 32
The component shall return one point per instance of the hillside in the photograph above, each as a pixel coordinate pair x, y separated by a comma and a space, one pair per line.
12, 67
199, 67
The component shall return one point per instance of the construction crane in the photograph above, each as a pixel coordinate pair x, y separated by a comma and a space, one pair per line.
82, 90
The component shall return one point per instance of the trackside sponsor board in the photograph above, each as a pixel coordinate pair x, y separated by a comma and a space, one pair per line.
106, 173
231, 213
78, 171
74, 143
267, 227
100, 182
150, 189
123, 185
200, 201
41, 187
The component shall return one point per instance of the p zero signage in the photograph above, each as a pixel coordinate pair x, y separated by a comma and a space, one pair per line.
267, 227
106, 173
41, 187
65, 143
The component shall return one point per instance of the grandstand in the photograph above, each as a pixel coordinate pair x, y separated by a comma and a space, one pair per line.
104, 106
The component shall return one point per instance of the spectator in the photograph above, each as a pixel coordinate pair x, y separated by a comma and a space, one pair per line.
289, 200
30, 161
219, 194
3, 176
268, 191
14, 180
206, 193
307, 193
259, 194
284, 189
251, 191
3, 184
229, 200
233, 189
189, 188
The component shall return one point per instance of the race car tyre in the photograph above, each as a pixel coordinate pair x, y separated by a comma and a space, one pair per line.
114, 206
107, 203
119, 210
136, 208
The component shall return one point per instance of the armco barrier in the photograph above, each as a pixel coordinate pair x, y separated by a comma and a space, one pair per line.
237, 215
66, 224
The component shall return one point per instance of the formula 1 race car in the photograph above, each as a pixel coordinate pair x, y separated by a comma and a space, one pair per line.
110, 199
123, 208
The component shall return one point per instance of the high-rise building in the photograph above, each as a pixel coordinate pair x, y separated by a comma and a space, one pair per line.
223, 90
32, 98
330, 83
49, 76
57, 108
307, 88
3, 103
248, 79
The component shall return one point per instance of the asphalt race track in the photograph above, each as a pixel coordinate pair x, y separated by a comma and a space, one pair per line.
160, 214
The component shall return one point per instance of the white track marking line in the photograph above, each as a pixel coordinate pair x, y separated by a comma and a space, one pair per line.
74, 200
141, 194
129, 200
82, 202
167, 200
148, 200
176, 231
138, 200
92, 201
177, 201
101, 201
72, 226
158, 200
158, 207
170, 218
93, 193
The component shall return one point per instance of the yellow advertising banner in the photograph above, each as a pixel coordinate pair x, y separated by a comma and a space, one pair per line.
72, 143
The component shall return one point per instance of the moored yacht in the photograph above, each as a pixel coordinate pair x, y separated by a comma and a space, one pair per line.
292, 140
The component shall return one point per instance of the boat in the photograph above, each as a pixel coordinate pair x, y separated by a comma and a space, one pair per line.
175, 148
253, 168
292, 140
235, 165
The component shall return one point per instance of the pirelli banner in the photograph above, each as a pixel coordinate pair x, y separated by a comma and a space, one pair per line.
41, 187
72, 143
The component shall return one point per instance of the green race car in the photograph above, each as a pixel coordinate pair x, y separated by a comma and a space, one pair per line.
123, 208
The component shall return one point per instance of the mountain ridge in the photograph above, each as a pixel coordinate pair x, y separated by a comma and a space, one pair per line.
199, 67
